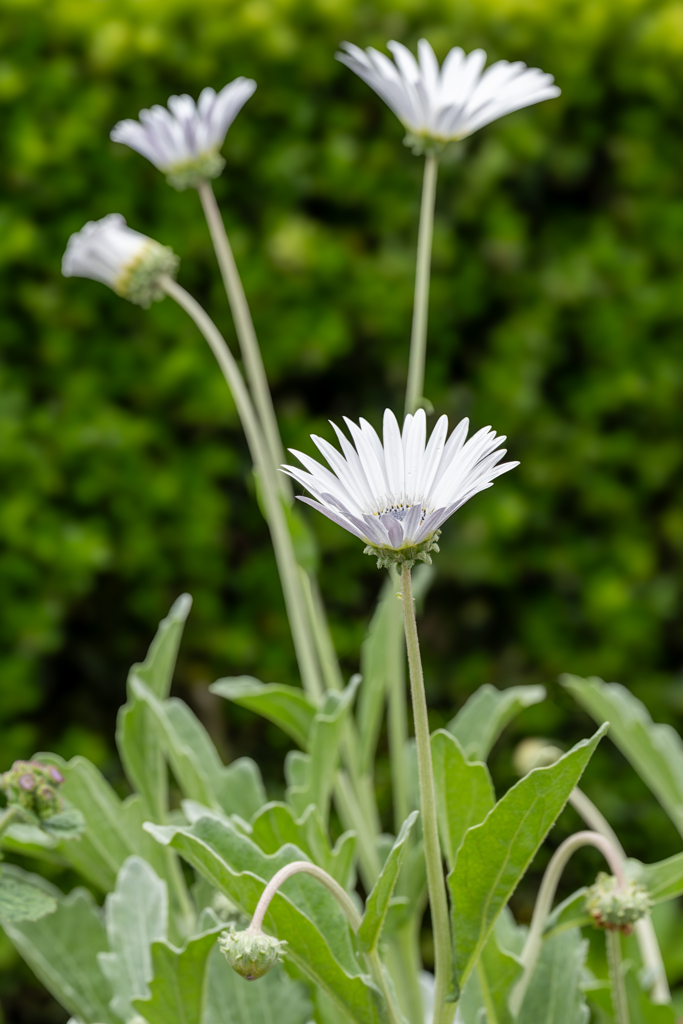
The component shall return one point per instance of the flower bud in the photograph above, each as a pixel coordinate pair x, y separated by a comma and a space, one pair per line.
251, 954
32, 786
534, 752
612, 907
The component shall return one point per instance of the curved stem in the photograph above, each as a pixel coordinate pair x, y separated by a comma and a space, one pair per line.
347, 905
244, 327
616, 974
418, 337
646, 936
436, 885
546, 895
282, 541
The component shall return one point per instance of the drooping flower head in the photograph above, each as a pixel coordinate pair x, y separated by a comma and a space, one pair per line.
438, 105
396, 495
184, 139
130, 263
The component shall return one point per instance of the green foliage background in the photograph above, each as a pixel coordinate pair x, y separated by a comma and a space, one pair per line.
556, 315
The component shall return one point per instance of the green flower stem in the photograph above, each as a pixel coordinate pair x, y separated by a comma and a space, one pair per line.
9, 815
436, 886
347, 905
418, 337
244, 327
546, 895
277, 522
616, 975
397, 719
651, 954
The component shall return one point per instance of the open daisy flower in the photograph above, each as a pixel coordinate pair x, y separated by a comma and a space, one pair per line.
129, 262
396, 495
437, 105
183, 141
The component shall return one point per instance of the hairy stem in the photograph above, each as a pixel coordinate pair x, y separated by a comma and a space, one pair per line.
277, 522
418, 337
646, 936
397, 719
546, 895
244, 327
436, 885
346, 904
616, 975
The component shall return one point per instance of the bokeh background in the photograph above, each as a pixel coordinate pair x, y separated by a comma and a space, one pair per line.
556, 316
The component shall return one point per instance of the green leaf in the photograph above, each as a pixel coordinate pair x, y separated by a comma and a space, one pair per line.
641, 1009
663, 880
485, 996
464, 792
136, 737
156, 671
655, 751
381, 649
61, 949
377, 903
136, 914
555, 995
311, 776
495, 854
304, 914
113, 828
275, 825
273, 999
571, 913
285, 706
24, 897
481, 720
68, 824
178, 988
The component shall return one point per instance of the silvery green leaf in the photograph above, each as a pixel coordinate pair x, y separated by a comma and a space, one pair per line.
464, 792
377, 903
68, 824
276, 824
303, 912
495, 855
382, 651
178, 989
554, 995
655, 751
136, 914
570, 913
489, 986
481, 720
285, 706
156, 671
24, 897
663, 880
61, 949
311, 776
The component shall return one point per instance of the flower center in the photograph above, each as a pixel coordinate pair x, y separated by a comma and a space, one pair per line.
399, 511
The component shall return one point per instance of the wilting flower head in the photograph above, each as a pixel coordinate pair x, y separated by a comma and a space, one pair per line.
439, 105
396, 495
109, 251
183, 141
615, 908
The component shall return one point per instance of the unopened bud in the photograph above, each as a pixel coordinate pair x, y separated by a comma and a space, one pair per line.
251, 954
534, 752
33, 786
616, 908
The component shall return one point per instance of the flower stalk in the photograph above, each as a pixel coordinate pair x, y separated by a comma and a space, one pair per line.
616, 976
418, 337
546, 895
244, 328
436, 885
282, 542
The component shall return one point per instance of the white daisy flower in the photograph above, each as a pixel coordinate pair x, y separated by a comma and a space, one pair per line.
183, 141
396, 495
439, 105
130, 263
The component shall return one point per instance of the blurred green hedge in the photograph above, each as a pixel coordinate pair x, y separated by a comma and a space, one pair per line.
556, 315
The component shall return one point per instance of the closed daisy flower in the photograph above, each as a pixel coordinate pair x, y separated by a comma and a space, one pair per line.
396, 494
437, 105
184, 139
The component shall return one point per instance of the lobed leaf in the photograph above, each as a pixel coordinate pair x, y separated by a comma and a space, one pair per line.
178, 989
24, 897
